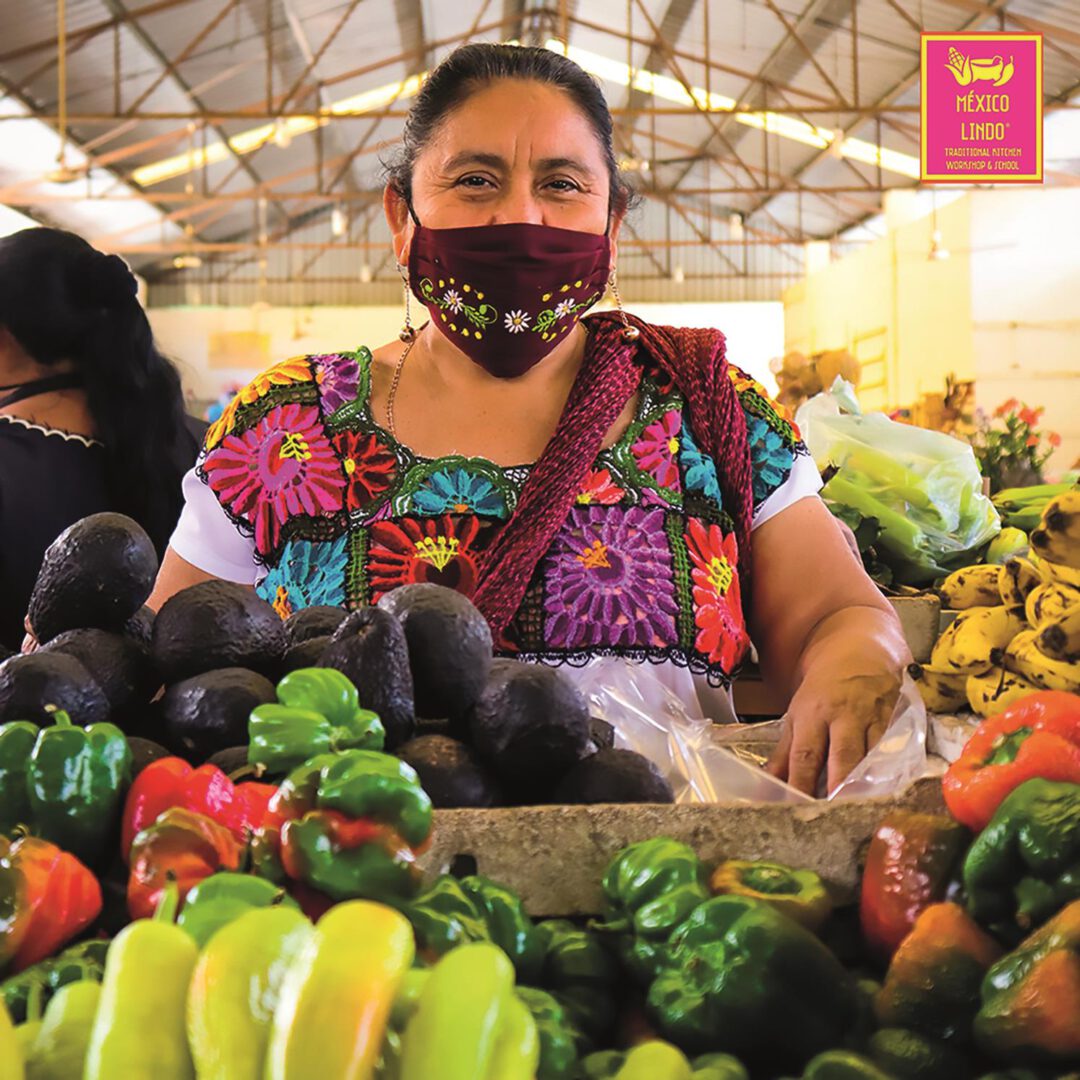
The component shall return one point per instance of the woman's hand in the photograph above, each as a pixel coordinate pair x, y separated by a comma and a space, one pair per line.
30, 642
826, 635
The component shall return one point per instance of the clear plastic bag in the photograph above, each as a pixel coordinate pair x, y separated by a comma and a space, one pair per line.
923, 488
653, 712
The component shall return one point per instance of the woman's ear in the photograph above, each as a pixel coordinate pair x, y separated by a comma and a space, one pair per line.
397, 217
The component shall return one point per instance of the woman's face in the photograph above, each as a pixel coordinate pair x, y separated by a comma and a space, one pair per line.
514, 151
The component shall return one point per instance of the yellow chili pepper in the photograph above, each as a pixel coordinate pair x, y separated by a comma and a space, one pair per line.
11, 1059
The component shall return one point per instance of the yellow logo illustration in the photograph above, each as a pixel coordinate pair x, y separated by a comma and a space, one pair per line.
967, 71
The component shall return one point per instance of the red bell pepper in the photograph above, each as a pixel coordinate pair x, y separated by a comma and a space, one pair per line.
181, 846
1037, 738
912, 861
172, 782
56, 898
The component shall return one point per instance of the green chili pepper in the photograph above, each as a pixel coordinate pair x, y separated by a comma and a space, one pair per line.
221, 898
27, 1032
558, 1038
81, 962
76, 779
718, 1067
16, 742
318, 712
140, 1029
601, 1065
843, 1065
60, 1047
733, 968
518, 1046
508, 925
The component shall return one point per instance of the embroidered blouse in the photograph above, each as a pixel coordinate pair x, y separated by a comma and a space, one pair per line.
301, 493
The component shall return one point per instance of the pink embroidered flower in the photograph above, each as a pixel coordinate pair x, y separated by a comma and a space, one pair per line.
600, 488
718, 613
656, 448
281, 467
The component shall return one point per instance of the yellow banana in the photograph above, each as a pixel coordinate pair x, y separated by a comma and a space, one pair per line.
995, 691
1057, 539
1016, 579
1060, 638
1048, 603
973, 586
974, 640
1058, 574
941, 691
1022, 657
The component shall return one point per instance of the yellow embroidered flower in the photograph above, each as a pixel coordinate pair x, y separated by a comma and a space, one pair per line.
296, 369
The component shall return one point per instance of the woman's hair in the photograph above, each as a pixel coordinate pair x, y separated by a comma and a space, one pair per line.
471, 68
61, 299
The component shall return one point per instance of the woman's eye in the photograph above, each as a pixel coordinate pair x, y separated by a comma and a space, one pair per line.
566, 185
474, 182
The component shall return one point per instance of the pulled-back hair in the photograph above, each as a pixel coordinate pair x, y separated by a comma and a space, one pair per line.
472, 67
62, 300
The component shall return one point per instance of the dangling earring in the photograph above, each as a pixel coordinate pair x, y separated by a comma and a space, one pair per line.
629, 333
408, 331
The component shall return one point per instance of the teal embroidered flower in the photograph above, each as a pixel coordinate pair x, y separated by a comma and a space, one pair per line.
458, 491
308, 574
699, 470
770, 456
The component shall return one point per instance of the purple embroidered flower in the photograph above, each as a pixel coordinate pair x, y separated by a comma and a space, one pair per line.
656, 448
281, 467
609, 580
338, 377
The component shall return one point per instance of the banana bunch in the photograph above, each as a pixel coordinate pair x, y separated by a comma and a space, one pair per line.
976, 639
1057, 539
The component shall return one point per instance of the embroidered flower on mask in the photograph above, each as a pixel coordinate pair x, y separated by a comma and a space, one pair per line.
563, 307
517, 321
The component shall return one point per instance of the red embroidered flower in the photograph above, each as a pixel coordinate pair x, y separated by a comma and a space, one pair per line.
370, 467
718, 610
442, 550
600, 488
282, 467
656, 448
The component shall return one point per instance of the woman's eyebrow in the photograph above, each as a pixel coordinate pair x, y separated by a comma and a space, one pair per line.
496, 161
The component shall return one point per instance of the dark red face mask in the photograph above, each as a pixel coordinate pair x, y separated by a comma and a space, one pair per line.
506, 295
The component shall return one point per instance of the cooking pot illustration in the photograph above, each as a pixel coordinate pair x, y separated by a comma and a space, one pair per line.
967, 71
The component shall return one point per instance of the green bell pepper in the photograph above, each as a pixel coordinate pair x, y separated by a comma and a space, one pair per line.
1024, 866
582, 975
318, 712
733, 968
718, 1067
443, 917
800, 894
843, 1065
908, 1055
649, 889
60, 1048
559, 1039
76, 778
77, 964
508, 925
223, 897
16, 742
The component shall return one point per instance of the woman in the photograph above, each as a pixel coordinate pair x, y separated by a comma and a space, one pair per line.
91, 414
593, 485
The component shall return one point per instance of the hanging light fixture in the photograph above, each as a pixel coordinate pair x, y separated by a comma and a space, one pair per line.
339, 222
282, 135
735, 227
63, 173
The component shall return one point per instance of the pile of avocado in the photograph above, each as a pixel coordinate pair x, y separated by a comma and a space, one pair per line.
479, 731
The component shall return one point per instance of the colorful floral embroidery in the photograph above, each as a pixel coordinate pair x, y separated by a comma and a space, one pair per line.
599, 488
718, 610
609, 580
517, 322
699, 470
441, 550
370, 468
455, 301
547, 321
306, 575
771, 457
338, 377
458, 491
656, 448
282, 467
297, 369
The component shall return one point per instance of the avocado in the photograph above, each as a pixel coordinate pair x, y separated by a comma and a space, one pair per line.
96, 573
614, 776
144, 752
233, 759
140, 626
450, 772
530, 724
449, 648
121, 667
312, 622
369, 647
29, 683
5, 653
209, 712
213, 625
304, 654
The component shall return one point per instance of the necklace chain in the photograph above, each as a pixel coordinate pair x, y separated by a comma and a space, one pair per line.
394, 387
